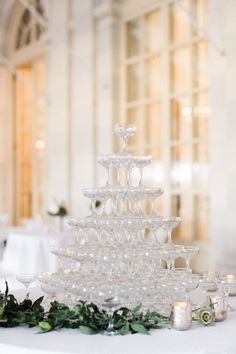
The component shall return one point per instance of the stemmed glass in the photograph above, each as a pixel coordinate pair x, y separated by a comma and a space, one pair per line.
26, 279
170, 255
51, 291
110, 304
125, 133
141, 162
104, 161
108, 168
153, 197
228, 283
208, 282
169, 225
189, 252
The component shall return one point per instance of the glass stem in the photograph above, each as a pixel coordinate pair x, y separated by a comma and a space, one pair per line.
118, 177
110, 322
140, 176
125, 145
108, 176
128, 177
26, 291
187, 264
168, 265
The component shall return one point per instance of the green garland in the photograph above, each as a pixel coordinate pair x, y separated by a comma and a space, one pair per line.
86, 317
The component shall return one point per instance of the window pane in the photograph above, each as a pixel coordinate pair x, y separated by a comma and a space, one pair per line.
133, 82
200, 8
153, 77
180, 25
181, 206
200, 64
201, 113
181, 69
134, 117
181, 118
200, 165
201, 217
133, 37
154, 173
180, 166
153, 32
153, 124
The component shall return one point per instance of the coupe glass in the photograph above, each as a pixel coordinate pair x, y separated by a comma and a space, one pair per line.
51, 291
26, 279
109, 300
125, 133
228, 283
208, 282
188, 253
141, 162
168, 226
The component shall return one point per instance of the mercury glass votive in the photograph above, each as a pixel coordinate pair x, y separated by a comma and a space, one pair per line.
220, 305
181, 315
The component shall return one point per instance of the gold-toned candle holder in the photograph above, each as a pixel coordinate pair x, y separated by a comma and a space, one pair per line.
181, 315
220, 305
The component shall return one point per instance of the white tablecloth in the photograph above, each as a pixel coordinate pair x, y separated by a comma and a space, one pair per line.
30, 252
218, 339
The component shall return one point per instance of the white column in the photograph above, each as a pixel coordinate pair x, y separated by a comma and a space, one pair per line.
223, 131
58, 162
6, 144
82, 105
107, 29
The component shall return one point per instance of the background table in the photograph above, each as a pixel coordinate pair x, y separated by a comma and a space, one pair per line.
30, 252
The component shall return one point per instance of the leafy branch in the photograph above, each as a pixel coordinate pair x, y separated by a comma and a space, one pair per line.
86, 317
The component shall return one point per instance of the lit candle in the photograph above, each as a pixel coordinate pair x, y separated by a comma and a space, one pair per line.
181, 315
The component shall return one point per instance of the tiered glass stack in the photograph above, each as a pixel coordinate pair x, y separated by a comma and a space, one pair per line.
117, 254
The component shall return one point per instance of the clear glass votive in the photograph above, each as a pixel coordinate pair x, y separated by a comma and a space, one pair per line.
181, 315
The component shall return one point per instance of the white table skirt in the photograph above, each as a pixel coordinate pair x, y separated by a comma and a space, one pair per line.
30, 252
218, 339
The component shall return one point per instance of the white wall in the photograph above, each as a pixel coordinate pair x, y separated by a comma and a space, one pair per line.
82, 75
6, 143
223, 132
58, 158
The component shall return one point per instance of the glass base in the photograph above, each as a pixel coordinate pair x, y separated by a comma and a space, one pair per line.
110, 332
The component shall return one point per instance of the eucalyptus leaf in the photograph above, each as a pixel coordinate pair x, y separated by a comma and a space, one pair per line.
87, 330
45, 326
136, 308
124, 330
138, 327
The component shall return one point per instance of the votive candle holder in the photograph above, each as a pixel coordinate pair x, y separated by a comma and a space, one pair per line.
181, 315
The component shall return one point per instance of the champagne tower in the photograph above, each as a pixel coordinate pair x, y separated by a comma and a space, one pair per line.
117, 252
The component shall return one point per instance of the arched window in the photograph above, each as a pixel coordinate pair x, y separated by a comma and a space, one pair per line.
29, 30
